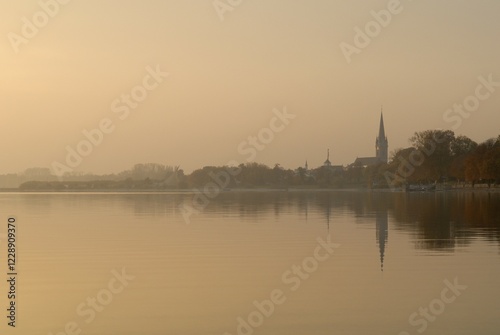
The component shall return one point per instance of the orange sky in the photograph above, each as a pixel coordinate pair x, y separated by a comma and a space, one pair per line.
225, 78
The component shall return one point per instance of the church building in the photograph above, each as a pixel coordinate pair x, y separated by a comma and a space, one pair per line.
381, 149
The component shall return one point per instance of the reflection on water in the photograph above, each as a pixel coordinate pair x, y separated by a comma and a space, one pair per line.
382, 230
199, 278
439, 221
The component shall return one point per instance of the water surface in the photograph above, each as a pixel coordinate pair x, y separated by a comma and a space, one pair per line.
395, 255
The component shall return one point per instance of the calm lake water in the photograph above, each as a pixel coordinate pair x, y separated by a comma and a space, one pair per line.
255, 263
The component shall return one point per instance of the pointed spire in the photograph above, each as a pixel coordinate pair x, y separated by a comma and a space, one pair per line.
381, 130
381, 143
327, 162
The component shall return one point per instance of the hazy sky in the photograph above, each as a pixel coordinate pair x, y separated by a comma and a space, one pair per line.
227, 76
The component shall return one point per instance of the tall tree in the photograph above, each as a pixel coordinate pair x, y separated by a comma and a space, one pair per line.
461, 148
435, 145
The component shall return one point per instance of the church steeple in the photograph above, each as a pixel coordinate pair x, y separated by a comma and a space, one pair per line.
327, 162
381, 143
381, 129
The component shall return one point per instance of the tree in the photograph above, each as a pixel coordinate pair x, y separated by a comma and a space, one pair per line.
435, 145
462, 145
374, 174
152, 171
489, 167
39, 174
483, 163
461, 149
404, 167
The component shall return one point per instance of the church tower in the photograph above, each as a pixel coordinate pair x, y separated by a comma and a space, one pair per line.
327, 163
381, 143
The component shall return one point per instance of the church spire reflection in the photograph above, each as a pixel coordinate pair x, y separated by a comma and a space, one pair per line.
382, 233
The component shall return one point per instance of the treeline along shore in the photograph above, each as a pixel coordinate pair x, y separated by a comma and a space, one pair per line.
436, 157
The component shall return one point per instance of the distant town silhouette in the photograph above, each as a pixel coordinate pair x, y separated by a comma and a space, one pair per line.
436, 157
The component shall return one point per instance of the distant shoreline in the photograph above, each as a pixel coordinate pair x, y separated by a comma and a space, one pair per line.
250, 190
